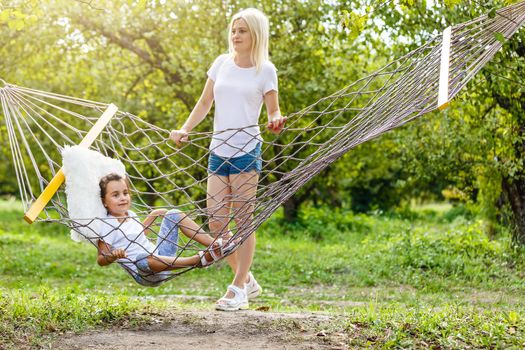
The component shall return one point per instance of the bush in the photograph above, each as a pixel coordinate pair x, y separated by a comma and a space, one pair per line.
458, 211
463, 253
319, 224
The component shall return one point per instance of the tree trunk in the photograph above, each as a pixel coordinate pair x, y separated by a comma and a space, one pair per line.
292, 204
513, 186
514, 190
291, 209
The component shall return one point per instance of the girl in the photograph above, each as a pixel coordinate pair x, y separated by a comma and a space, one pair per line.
123, 238
238, 83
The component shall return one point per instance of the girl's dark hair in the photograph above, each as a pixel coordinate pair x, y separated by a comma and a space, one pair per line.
107, 179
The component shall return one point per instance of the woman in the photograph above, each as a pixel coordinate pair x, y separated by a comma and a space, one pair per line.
238, 82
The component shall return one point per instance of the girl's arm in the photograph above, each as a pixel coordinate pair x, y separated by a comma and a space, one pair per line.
105, 256
275, 119
151, 217
200, 111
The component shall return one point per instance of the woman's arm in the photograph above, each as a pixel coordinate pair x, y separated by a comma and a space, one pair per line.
105, 256
201, 109
275, 119
151, 217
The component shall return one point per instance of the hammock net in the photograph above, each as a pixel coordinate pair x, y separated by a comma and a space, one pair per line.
40, 123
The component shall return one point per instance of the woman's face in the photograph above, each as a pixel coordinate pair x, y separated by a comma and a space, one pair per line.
241, 37
117, 199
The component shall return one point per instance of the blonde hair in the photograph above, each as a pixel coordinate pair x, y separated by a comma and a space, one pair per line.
259, 28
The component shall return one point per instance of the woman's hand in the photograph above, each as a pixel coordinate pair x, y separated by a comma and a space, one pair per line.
179, 136
276, 124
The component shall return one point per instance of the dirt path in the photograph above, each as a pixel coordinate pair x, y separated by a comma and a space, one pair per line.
203, 330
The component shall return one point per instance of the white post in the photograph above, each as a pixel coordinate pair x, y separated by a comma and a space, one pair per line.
53, 186
444, 68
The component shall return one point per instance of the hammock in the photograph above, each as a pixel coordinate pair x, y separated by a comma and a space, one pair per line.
40, 123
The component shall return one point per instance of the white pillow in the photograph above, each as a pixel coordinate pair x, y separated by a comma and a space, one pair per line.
83, 169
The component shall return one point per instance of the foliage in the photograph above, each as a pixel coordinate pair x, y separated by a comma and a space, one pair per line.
389, 276
18, 15
451, 326
474, 147
32, 314
155, 54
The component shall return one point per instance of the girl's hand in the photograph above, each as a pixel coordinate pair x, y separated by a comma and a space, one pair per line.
118, 254
179, 136
276, 124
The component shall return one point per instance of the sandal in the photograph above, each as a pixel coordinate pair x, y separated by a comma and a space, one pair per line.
216, 251
204, 261
224, 249
253, 289
238, 302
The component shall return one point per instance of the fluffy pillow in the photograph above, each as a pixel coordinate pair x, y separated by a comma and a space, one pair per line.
83, 169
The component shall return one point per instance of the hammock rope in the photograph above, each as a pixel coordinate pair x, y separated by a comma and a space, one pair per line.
40, 123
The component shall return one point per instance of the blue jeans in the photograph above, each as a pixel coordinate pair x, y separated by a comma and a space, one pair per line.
235, 165
167, 245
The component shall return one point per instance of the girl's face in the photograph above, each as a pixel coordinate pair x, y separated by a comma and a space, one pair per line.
241, 37
117, 199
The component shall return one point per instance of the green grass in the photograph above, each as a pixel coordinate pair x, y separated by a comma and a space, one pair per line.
401, 280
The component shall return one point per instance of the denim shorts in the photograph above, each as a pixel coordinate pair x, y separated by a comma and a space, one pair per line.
235, 165
167, 245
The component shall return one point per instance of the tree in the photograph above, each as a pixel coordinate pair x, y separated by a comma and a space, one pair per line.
479, 146
151, 57
157, 71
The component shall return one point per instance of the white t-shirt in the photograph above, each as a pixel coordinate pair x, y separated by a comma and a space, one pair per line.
239, 95
128, 235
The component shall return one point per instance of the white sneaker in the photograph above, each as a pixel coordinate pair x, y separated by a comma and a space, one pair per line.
253, 289
238, 302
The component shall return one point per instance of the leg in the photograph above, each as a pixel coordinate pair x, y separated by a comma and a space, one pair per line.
166, 263
167, 243
243, 187
193, 231
158, 263
168, 238
150, 266
218, 204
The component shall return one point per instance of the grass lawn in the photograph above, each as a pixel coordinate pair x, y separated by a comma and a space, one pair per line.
425, 278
